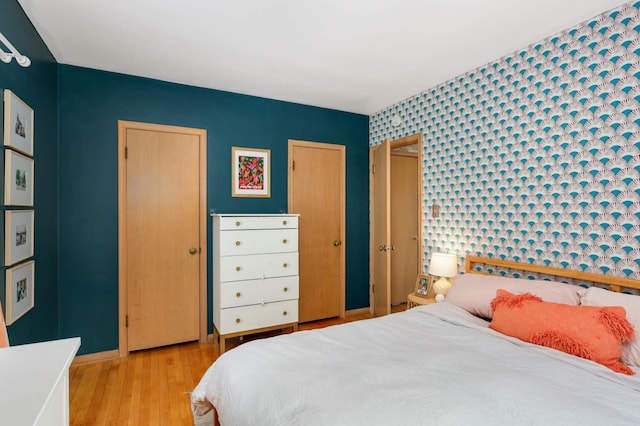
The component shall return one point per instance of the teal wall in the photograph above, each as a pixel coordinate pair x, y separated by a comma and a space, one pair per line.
37, 86
90, 104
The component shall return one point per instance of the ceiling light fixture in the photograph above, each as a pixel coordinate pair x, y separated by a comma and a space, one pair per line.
5, 57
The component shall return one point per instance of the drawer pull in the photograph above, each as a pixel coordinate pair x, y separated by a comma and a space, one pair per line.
284, 241
284, 313
238, 223
237, 243
284, 222
237, 268
237, 320
286, 289
238, 294
284, 265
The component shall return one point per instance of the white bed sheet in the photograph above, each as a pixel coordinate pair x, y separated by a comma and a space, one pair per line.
431, 365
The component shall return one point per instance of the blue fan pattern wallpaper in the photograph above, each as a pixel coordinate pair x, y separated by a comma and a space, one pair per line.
536, 157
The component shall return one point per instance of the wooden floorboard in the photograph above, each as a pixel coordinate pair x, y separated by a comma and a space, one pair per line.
151, 387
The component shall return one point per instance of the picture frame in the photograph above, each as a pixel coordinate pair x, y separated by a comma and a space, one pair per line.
423, 286
250, 172
18, 179
18, 235
20, 290
18, 124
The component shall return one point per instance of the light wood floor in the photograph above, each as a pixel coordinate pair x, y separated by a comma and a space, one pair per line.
151, 387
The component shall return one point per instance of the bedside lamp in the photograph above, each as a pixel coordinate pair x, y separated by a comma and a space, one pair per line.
443, 265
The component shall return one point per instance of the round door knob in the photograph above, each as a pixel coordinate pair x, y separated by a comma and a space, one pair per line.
237, 243
286, 289
336, 243
382, 248
237, 268
284, 222
238, 294
237, 320
193, 250
284, 313
238, 223
284, 241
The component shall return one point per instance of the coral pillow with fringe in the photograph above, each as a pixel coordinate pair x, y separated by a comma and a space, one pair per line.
592, 332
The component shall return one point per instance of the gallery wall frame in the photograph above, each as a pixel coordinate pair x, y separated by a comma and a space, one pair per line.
18, 124
18, 141
18, 179
18, 235
250, 172
20, 285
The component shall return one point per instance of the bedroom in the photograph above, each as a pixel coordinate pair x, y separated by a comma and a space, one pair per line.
76, 294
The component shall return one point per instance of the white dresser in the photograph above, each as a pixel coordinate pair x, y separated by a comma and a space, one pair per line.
255, 274
34, 383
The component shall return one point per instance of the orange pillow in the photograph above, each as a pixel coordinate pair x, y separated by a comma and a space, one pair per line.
591, 332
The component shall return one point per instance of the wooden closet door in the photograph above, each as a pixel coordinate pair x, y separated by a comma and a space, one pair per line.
404, 225
161, 246
381, 228
316, 192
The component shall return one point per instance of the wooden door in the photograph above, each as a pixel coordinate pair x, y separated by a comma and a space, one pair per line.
317, 193
161, 248
381, 228
404, 224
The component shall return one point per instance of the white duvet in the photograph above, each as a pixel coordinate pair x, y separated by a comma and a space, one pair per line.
431, 365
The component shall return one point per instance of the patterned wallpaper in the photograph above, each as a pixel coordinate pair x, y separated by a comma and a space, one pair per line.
536, 157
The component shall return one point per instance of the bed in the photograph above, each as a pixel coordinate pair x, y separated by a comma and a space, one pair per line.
439, 364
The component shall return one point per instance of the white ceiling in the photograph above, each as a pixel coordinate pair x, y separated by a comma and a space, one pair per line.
352, 55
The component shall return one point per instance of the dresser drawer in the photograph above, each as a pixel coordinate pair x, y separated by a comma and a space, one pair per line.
257, 222
242, 293
258, 266
234, 243
233, 320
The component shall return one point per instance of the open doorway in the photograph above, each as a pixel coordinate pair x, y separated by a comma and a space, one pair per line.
396, 224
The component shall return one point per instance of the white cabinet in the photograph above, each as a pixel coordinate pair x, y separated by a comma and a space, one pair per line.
255, 274
34, 384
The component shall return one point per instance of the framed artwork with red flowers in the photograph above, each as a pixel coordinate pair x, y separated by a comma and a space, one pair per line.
251, 172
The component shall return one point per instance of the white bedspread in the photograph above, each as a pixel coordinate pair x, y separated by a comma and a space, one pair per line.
431, 365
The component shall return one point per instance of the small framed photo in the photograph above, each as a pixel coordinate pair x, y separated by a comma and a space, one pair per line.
18, 179
18, 124
20, 285
18, 235
423, 286
251, 172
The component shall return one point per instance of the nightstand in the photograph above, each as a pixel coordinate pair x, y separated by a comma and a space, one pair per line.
413, 301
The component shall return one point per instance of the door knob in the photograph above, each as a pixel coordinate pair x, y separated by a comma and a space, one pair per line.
193, 250
336, 243
382, 248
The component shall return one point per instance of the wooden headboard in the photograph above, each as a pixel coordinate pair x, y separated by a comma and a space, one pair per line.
614, 283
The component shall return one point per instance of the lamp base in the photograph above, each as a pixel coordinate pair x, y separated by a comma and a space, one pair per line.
441, 286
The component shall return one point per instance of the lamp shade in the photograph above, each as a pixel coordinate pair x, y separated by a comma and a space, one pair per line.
443, 265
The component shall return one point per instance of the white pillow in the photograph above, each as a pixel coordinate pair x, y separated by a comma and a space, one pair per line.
474, 292
594, 296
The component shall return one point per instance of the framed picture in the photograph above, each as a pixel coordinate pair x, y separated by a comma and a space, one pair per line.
18, 124
251, 172
18, 179
423, 286
19, 282
18, 235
